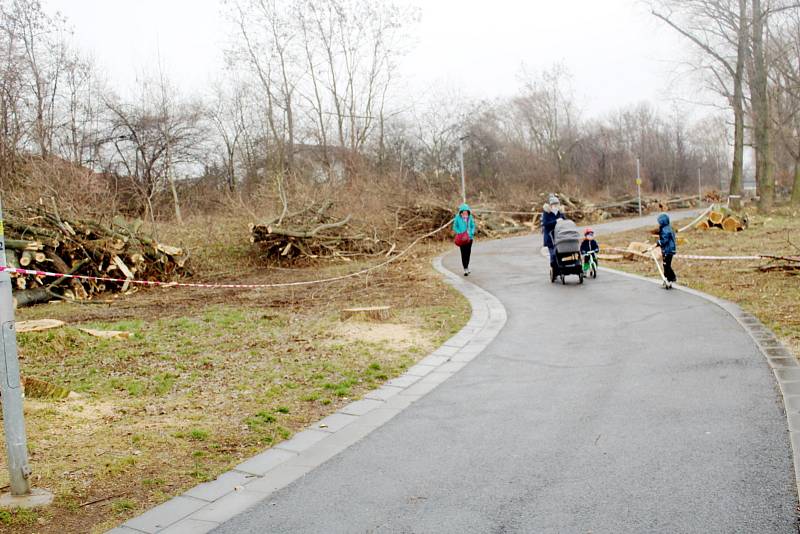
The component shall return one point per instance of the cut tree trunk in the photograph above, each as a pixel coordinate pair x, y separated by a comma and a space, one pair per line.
374, 313
732, 224
37, 325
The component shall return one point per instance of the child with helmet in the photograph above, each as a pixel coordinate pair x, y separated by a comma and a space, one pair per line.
588, 246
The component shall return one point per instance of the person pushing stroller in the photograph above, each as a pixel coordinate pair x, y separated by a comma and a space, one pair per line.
551, 213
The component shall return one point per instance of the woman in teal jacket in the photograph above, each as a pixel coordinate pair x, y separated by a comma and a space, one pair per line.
464, 222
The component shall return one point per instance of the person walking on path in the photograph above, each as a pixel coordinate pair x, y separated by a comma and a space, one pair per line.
464, 227
550, 215
666, 241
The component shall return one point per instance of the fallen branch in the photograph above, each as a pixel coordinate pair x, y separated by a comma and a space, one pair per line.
102, 499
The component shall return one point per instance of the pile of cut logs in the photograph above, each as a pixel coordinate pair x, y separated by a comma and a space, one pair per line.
312, 233
580, 210
38, 239
724, 218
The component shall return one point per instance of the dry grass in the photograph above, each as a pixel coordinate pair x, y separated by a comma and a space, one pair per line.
209, 377
773, 297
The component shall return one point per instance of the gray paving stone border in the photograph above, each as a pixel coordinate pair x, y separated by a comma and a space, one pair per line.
781, 360
206, 506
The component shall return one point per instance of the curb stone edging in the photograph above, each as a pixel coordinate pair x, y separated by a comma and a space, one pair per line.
208, 505
785, 366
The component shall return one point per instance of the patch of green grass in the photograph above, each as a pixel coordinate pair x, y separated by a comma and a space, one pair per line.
163, 383
198, 434
310, 397
18, 517
118, 466
200, 474
120, 506
282, 409
260, 419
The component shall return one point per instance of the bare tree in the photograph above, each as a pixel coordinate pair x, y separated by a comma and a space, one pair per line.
785, 79
721, 30
547, 110
159, 134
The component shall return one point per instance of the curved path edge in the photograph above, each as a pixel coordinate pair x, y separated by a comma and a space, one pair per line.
781, 360
206, 506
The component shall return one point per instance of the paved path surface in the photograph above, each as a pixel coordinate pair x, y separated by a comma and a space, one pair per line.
609, 407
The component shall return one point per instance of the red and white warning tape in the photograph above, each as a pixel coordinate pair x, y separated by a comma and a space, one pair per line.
694, 256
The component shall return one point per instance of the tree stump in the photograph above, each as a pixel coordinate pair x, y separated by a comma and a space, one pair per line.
374, 313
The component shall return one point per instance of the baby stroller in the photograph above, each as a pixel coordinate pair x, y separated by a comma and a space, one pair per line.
567, 242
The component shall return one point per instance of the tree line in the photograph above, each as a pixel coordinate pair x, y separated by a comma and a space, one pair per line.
312, 97
749, 54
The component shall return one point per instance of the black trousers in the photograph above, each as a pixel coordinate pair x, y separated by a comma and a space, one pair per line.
466, 250
669, 274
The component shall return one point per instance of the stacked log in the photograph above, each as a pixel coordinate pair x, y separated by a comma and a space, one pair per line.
312, 233
723, 218
38, 239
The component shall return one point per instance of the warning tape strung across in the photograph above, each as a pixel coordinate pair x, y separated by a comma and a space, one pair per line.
695, 256
152, 283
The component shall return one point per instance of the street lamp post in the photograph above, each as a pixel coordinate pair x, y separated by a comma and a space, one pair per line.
461, 159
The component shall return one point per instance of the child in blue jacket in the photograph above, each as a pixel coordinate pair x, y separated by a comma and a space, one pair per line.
666, 240
464, 222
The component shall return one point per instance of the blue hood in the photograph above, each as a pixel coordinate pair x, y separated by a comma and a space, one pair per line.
464, 207
663, 220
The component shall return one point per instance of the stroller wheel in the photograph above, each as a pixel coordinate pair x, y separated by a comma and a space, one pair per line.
563, 280
580, 278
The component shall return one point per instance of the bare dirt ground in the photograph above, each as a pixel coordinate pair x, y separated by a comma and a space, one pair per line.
209, 377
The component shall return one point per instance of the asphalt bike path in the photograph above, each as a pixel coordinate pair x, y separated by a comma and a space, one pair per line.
608, 407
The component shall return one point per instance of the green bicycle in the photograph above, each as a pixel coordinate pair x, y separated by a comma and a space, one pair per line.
590, 263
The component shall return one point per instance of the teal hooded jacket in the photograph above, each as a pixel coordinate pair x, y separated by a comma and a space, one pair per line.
458, 223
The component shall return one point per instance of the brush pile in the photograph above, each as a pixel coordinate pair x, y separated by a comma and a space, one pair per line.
491, 222
312, 233
42, 240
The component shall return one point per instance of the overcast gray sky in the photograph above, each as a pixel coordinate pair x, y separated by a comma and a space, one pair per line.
617, 52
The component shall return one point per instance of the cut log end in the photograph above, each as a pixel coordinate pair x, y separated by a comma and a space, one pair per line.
732, 224
716, 217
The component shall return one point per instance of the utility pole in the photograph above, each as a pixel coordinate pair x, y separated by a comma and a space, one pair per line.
19, 471
461, 158
699, 186
639, 186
